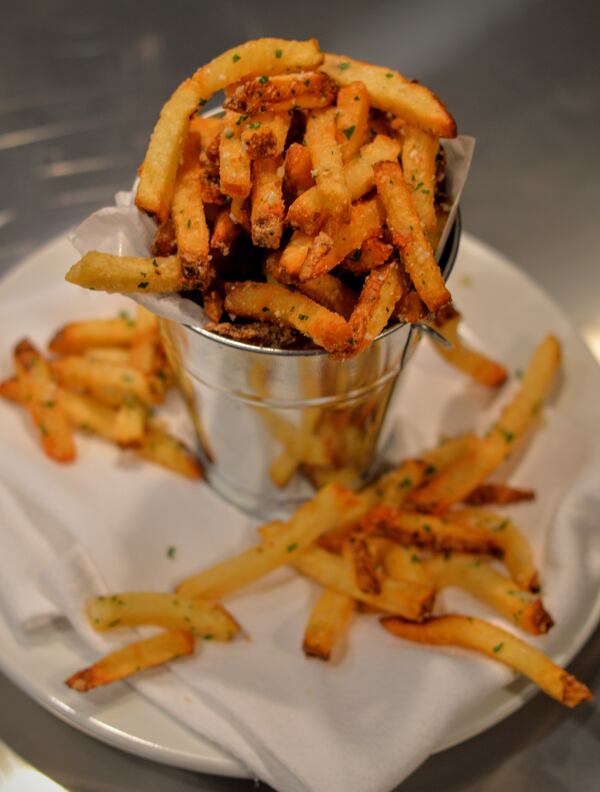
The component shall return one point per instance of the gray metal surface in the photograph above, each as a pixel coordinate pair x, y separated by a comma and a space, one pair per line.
80, 87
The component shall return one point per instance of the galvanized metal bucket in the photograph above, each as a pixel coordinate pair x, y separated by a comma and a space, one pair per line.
272, 424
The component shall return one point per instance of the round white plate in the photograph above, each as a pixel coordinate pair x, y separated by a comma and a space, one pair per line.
506, 311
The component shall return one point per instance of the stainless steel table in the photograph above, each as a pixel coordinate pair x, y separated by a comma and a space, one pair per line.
81, 86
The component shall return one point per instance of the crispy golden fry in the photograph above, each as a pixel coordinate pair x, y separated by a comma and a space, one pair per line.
281, 93
207, 129
143, 349
410, 308
234, 162
298, 169
264, 134
159, 169
165, 243
105, 272
288, 539
327, 624
500, 494
261, 333
308, 212
267, 213
203, 619
498, 644
225, 232
481, 368
239, 212
353, 118
347, 476
87, 414
10, 389
109, 383
326, 290
408, 235
187, 210
402, 562
477, 577
448, 452
265, 56
373, 253
381, 291
163, 449
355, 552
517, 555
459, 480
130, 424
338, 240
326, 156
295, 253
393, 488
419, 152
38, 394
427, 531
391, 92
78, 336
271, 302
213, 304
135, 657
210, 182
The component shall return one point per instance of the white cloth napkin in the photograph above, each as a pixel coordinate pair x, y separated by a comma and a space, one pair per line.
359, 724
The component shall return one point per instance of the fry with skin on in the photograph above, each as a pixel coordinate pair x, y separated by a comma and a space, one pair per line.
457, 482
105, 272
207, 620
500, 494
326, 156
471, 633
271, 302
327, 624
419, 152
213, 305
239, 212
264, 134
207, 129
408, 235
373, 253
135, 657
337, 240
295, 252
353, 118
381, 291
298, 169
308, 212
225, 232
391, 92
167, 451
234, 162
280, 93
355, 552
38, 393
481, 368
261, 333
284, 543
266, 217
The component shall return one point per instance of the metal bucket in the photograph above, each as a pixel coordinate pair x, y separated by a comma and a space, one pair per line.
272, 424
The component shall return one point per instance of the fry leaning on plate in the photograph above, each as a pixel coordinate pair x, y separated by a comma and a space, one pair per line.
305, 229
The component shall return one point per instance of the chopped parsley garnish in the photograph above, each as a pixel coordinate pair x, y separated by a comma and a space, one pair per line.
189, 223
389, 75
154, 263
235, 57
202, 102
307, 83
278, 53
44, 431
498, 647
430, 470
356, 254
418, 187
255, 125
508, 436
229, 134
415, 559
302, 317
348, 132
292, 547
143, 285
241, 119
344, 65
426, 528
262, 80
208, 637
501, 526
114, 623
171, 550
49, 403
519, 373
406, 482
265, 308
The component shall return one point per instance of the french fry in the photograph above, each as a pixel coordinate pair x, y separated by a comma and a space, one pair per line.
498, 644
285, 542
308, 212
410, 308
408, 235
478, 578
78, 336
326, 156
203, 619
264, 134
164, 242
283, 468
419, 152
206, 129
393, 93
327, 624
234, 162
267, 213
481, 368
163, 449
10, 389
338, 240
393, 488
353, 118
500, 494
448, 452
427, 531
381, 291
87, 414
187, 211
105, 272
240, 214
38, 393
143, 349
261, 333
271, 302
298, 169
295, 252
109, 383
213, 305
356, 553
159, 169
130, 424
516, 418
225, 232
138, 656
402, 562
373, 253
281, 93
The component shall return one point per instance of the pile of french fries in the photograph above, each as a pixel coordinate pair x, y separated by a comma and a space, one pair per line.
387, 549
105, 377
307, 213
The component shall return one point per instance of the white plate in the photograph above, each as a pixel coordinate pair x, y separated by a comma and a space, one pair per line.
506, 312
